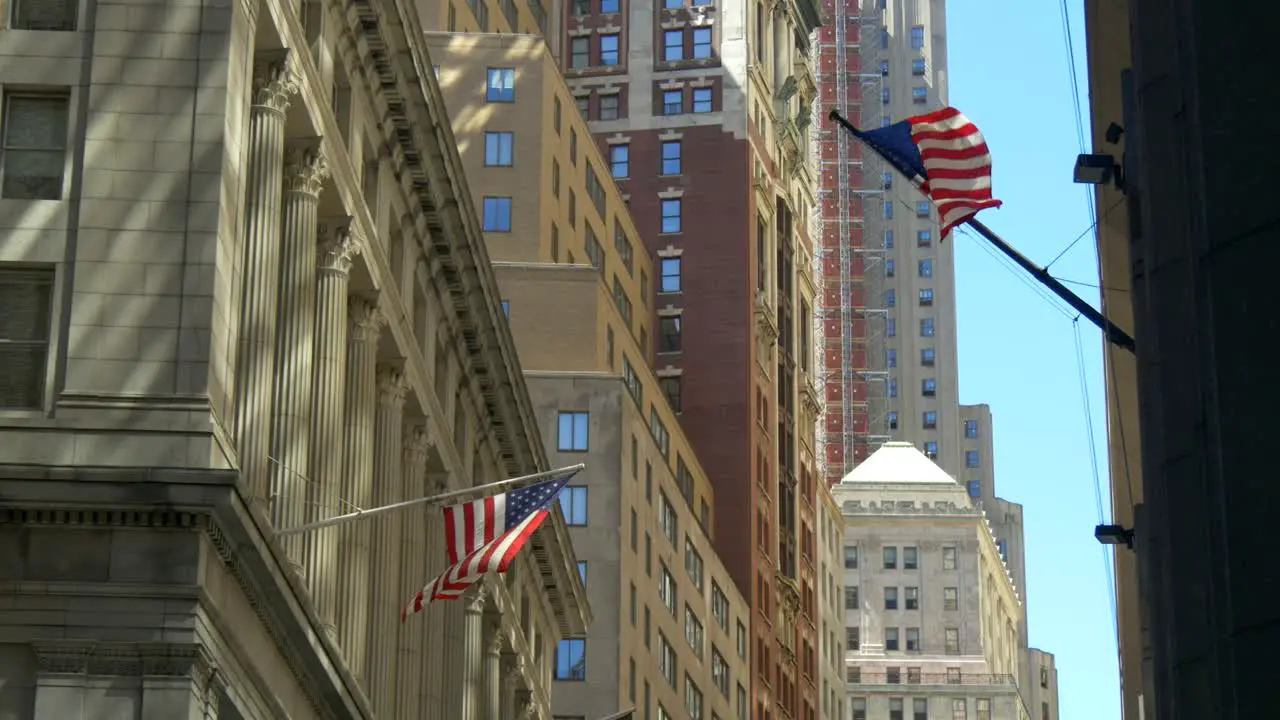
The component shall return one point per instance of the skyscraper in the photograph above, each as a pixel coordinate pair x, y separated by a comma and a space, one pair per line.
709, 105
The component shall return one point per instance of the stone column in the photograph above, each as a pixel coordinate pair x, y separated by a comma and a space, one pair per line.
513, 681
329, 387
304, 177
413, 557
273, 83
354, 548
384, 590
473, 657
493, 671
435, 660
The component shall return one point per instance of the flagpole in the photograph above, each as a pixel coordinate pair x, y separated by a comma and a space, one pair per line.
1118, 337
433, 499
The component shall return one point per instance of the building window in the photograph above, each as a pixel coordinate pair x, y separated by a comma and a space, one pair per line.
671, 389
952, 641
850, 557
917, 37
666, 660
672, 102
571, 660
929, 387
620, 161
891, 298
719, 672
27, 298
893, 420
859, 706
920, 95
971, 428
910, 558
891, 327
573, 146
888, 210
926, 327
673, 45
580, 52
918, 66
35, 142
499, 149
667, 519
926, 297
884, 68
949, 558
670, 279
671, 157
891, 598
720, 606
609, 105
667, 589
890, 558
891, 358
583, 103
582, 571
950, 598
891, 638
701, 43
931, 450
608, 6
925, 268
851, 597
573, 502
928, 357
913, 645
694, 633
581, 7
692, 699
930, 420
890, 267
506, 309
573, 432
924, 238
911, 601
702, 100
971, 459
975, 489
47, 15
852, 638
922, 209
884, 95
670, 339
609, 45
497, 214
888, 239
893, 393
501, 85
671, 216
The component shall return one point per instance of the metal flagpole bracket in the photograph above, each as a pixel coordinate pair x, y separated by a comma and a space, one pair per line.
431, 500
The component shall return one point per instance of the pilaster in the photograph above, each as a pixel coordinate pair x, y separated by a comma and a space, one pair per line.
435, 616
413, 574
473, 656
274, 82
329, 385
388, 487
304, 177
361, 396
494, 644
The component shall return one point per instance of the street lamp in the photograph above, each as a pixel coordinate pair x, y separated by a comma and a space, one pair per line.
1098, 169
1114, 535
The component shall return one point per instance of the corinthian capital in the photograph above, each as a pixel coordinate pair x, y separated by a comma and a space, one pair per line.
366, 320
305, 169
275, 80
392, 387
338, 245
417, 442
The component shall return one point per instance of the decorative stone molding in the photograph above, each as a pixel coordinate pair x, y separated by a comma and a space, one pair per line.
496, 643
338, 246
392, 387
306, 169
417, 443
476, 603
70, 657
275, 81
366, 320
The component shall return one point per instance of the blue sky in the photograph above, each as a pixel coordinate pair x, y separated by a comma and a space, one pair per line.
1009, 73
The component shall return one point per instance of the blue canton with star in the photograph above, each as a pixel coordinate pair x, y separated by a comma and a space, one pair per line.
523, 502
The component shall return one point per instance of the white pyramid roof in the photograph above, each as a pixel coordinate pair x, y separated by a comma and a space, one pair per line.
898, 463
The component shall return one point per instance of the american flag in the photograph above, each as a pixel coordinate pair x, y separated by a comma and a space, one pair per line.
484, 536
945, 155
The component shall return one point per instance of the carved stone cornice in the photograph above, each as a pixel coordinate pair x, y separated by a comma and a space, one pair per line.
338, 245
69, 657
366, 320
275, 81
306, 169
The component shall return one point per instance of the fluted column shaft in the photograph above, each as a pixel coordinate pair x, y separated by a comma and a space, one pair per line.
337, 248
413, 553
513, 676
435, 659
273, 84
472, 659
493, 672
384, 591
354, 548
304, 177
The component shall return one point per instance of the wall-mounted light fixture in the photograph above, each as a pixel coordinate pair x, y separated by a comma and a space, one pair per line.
1098, 169
1114, 535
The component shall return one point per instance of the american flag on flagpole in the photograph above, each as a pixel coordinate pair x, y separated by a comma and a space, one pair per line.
945, 156
484, 536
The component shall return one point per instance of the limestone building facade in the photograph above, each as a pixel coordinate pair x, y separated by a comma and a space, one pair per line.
245, 288
932, 615
670, 636
831, 614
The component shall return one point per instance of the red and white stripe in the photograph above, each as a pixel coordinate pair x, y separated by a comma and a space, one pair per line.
475, 548
958, 162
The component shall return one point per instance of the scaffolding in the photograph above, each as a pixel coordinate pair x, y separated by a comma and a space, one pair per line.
851, 317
